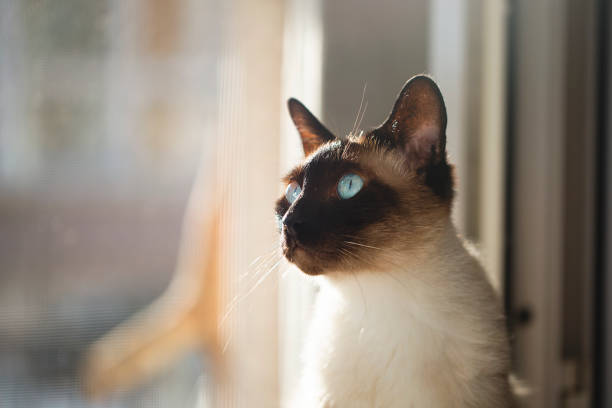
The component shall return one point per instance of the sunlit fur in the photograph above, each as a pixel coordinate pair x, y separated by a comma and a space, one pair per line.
405, 316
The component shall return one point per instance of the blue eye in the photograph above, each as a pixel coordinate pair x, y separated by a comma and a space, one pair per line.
292, 192
349, 185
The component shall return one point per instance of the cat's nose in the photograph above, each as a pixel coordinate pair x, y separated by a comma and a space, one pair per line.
293, 225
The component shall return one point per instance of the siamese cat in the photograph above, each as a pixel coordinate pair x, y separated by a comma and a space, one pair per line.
405, 316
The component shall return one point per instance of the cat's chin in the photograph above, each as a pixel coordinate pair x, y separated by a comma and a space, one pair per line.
311, 270
300, 258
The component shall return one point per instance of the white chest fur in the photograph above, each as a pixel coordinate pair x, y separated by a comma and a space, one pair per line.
433, 336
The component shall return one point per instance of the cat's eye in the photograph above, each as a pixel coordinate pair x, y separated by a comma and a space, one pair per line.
292, 192
349, 185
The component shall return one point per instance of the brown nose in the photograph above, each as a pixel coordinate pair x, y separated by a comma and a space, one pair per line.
293, 225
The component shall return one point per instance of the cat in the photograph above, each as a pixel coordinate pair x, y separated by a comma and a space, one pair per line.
405, 316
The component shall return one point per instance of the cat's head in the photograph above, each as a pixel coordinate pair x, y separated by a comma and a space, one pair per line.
355, 200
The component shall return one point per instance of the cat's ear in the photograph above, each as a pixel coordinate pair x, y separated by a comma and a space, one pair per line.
417, 123
312, 132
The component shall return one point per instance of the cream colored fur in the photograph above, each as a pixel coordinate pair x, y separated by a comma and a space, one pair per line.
424, 331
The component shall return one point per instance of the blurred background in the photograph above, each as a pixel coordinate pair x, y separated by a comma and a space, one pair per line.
124, 124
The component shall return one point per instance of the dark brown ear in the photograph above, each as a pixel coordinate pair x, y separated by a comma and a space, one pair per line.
312, 132
417, 126
417, 123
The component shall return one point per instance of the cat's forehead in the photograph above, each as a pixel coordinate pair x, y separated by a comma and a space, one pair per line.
333, 157
339, 157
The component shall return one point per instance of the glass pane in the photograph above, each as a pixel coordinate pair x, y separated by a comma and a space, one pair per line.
101, 134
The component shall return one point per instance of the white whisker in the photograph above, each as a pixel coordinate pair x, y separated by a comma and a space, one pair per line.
363, 245
259, 262
365, 108
240, 298
359, 110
